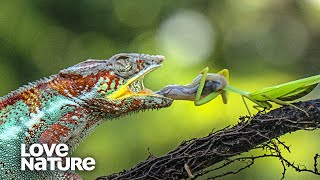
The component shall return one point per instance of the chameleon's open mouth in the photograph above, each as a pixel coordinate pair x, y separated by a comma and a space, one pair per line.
135, 86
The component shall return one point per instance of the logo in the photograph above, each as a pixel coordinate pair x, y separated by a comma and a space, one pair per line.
43, 157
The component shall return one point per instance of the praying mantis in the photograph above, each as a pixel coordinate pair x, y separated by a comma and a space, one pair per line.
278, 94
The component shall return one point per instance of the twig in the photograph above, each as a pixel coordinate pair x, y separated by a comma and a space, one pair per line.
221, 148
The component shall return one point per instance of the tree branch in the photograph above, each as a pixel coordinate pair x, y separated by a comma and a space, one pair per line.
221, 148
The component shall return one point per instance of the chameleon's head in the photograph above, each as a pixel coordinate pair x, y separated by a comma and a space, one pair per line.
116, 84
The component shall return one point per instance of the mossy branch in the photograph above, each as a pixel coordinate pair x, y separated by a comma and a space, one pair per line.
199, 156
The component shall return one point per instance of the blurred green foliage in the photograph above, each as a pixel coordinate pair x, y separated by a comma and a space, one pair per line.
261, 42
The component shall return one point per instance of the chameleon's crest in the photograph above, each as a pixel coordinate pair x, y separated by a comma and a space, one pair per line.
83, 69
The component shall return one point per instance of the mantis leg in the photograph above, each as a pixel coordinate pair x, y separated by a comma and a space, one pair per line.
260, 108
206, 99
280, 102
224, 73
259, 104
246, 105
224, 95
264, 105
198, 101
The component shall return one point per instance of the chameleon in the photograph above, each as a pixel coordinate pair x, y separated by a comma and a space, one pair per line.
68, 106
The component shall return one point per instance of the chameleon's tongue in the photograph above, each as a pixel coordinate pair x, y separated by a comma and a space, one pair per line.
136, 88
144, 91
187, 92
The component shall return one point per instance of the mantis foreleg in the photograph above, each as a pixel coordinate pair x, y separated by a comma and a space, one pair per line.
198, 101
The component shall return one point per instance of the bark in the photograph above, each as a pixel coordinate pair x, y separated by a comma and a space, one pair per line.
199, 156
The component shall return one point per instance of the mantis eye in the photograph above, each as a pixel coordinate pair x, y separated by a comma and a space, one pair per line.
123, 66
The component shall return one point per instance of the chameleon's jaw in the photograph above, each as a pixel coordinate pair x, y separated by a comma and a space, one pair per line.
135, 86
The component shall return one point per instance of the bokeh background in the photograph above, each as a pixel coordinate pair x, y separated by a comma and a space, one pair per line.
261, 42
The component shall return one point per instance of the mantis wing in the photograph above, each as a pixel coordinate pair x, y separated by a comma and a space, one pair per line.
288, 91
300, 92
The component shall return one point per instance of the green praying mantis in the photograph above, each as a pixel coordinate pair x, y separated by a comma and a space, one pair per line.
278, 94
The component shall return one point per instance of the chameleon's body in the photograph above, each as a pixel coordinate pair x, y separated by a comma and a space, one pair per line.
66, 107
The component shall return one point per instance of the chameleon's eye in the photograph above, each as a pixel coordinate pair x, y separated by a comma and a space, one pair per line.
123, 66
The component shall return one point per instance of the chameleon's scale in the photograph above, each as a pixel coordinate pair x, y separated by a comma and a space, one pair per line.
66, 107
